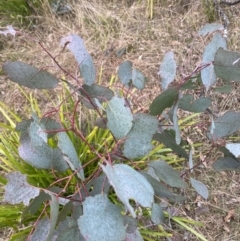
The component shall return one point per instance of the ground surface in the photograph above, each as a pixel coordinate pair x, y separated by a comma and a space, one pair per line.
108, 26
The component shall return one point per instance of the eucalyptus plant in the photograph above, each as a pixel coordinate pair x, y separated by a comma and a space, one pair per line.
106, 202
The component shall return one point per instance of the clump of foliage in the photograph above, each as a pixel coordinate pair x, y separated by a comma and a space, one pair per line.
23, 12
80, 187
14, 11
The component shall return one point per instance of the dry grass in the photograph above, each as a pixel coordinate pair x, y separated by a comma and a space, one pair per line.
107, 26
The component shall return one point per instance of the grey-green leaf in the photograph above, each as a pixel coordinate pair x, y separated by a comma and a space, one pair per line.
161, 190
125, 72
167, 174
226, 164
138, 79
169, 141
234, 148
163, 101
87, 70
35, 204
94, 92
68, 230
187, 103
210, 28
208, 74
136, 236
157, 215
223, 89
76, 46
227, 65
41, 230
167, 70
119, 117
99, 212
175, 124
29, 76
70, 154
225, 125
129, 184
54, 208
18, 190
130, 223
44, 157
200, 188
138, 140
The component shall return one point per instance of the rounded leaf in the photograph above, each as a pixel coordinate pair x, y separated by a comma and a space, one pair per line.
101, 220
125, 72
129, 184
138, 140
164, 100
227, 65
